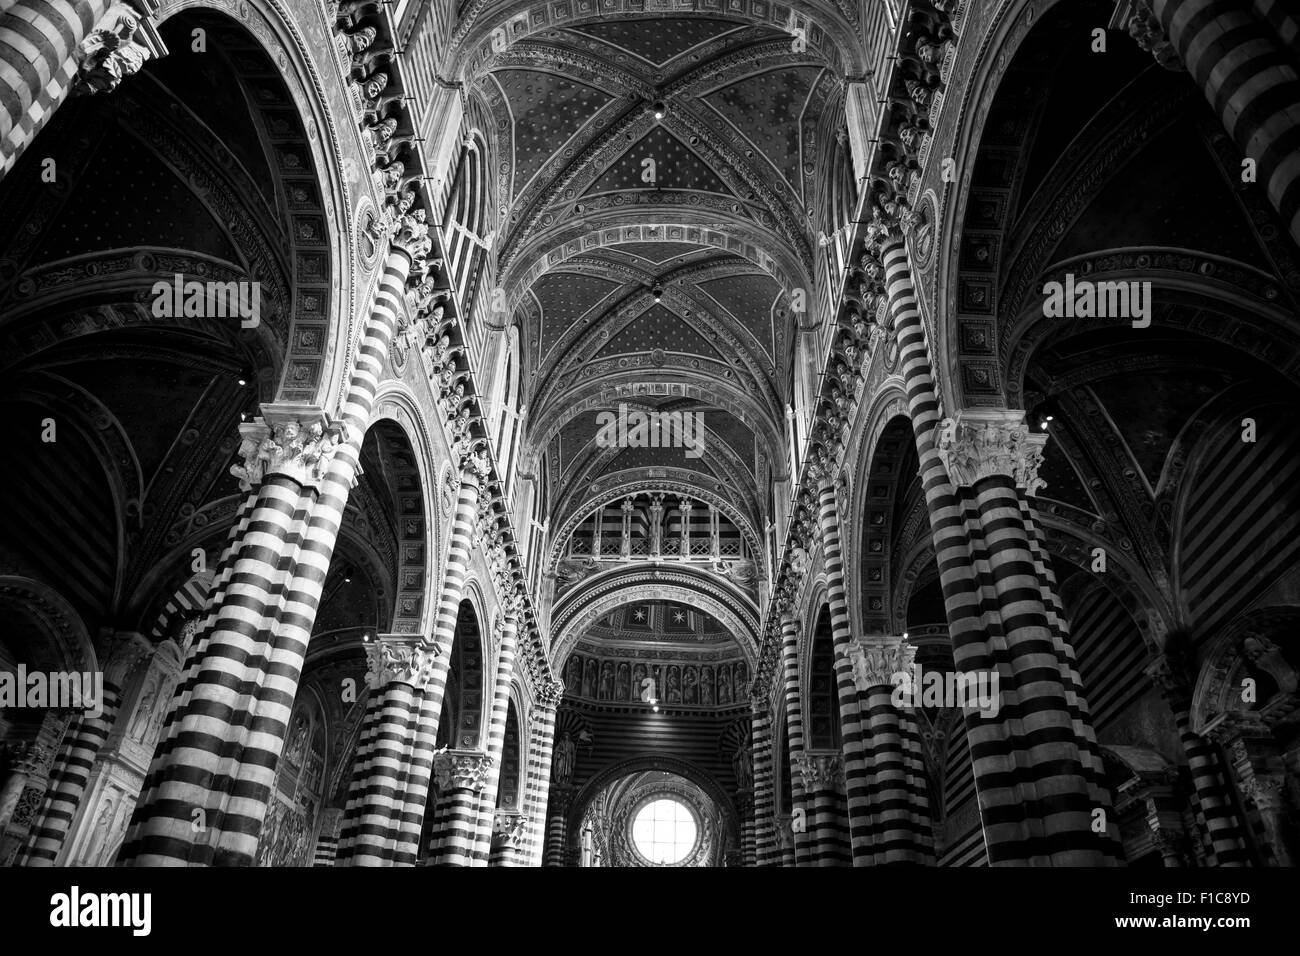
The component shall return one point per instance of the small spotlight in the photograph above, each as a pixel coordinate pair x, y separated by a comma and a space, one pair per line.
242, 381
655, 708
660, 109
346, 579
657, 292
1048, 418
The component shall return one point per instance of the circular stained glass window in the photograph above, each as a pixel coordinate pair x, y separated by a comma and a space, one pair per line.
664, 831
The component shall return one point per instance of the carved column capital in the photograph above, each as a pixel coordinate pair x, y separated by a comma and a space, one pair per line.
819, 771
120, 653
550, 692
400, 659
1149, 33
110, 52
559, 799
461, 769
981, 442
510, 829
294, 440
410, 234
877, 658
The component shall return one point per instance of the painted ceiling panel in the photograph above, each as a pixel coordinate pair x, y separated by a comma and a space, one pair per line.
658, 328
676, 166
749, 298
659, 40
767, 108
564, 297
548, 110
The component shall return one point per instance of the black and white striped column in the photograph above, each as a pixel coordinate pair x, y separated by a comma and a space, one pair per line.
400, 669
123, 652
541, 746
851, 730
765, 849
1032, 767
557, 825
898, 796
1212, 800
43, 44
505, 670
802, 826
213, 771
509, 840
461, 776
822, 776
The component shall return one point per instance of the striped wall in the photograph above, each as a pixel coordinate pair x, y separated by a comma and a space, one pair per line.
1240, 511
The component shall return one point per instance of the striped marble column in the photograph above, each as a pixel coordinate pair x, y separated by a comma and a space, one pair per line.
1030, 765
541, 745
81, 745
557, 826
420, 759
327, 836
765, 849
851, 730
748, 839
400, 669
207, 790
794, 739
899, 811
991, 454
510, 833
1251, 84
505, 670
49, 46
461, 776
1215, 809
822, 775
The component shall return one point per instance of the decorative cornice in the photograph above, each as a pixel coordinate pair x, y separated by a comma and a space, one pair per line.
982, 442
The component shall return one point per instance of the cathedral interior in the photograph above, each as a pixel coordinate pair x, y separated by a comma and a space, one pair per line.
559, 432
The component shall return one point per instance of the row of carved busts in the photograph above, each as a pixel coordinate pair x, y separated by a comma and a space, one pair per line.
429, 324
915, 85
714, 684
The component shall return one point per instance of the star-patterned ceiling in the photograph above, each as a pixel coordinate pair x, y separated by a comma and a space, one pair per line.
659, 178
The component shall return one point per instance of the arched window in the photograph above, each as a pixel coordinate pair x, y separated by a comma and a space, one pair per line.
465, 222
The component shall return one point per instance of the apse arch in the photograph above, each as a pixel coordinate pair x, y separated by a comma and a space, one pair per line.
325, 316
661, 762
58, 636
418, 509
576, 612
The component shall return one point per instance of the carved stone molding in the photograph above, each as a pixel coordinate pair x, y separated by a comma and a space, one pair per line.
461, 769
876, 659
1147, 31
981, 442
293, 440
400, 659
